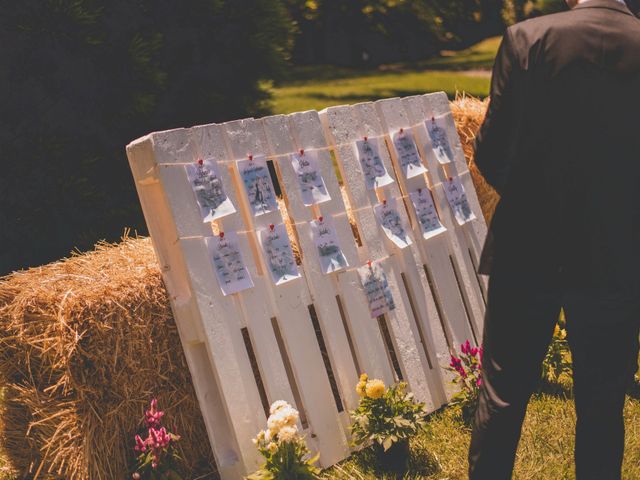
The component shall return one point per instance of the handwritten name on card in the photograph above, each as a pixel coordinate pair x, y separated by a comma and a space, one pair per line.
228, 263
407, 153
457, 198
257, 184
437, 129
209, 191
389, 218
426, 212
375, 173
376, 288
310, 181
324, 236
278, 254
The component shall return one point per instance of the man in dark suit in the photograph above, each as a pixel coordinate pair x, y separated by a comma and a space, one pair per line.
561, 144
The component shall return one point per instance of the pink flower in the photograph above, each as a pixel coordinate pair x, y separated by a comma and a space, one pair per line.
474, 351
466, 347
479, 382
140, 445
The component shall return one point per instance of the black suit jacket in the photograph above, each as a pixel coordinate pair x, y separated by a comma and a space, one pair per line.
561, 144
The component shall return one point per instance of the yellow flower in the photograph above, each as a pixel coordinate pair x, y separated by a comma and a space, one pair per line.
563, 334
272, 447
556, 331
364, 377
375, 388
361, 388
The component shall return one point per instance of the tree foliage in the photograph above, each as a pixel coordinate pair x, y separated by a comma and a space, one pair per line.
82, 78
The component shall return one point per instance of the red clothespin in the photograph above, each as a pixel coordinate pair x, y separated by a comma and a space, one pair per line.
250, 157
419, 191
433, 119
402, 130
366, 139
221, 234
271, 227
384, 202
302, 151
369, 263
200, 161
451, 179
320, 218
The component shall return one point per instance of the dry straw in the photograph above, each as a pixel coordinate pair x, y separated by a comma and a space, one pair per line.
86, 342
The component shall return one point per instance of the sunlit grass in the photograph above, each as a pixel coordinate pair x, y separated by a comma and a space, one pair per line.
321, 86
545, 451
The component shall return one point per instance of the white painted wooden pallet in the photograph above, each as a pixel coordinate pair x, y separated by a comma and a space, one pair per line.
306, 341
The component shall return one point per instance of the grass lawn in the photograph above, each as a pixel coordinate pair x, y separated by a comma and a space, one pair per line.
317, 87
545, 452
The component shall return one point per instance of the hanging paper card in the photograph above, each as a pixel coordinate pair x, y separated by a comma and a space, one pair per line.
375, 173
278, 254
207, 186
389, 218
228, 263
257, 183
407, 152
331, 257
457, 199
426, 212
310, 181
376, 287
437, 129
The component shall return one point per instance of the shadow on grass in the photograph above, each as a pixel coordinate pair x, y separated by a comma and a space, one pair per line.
369, 97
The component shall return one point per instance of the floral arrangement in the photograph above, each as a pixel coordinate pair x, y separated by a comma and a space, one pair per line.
385, 416
157, 457
557, 366
468, 367
285, 453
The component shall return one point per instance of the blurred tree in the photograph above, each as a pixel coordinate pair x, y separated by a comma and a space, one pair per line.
82, 78
370, 32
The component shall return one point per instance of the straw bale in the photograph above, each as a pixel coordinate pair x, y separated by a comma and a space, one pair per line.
84, 344
468, 113
87, 341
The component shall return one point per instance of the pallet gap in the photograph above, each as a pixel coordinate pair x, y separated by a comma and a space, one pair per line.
290, 375
464, 300
436, 300
325, 357
345, 324
256, 370
391, 351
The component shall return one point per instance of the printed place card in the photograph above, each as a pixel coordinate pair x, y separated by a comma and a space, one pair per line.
257, 184
209, 191
228, 263
457, 198
375, 173
310, 181
324, 236
376, 288
426, 212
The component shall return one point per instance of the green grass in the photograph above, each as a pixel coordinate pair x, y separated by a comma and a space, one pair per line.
545, 451
318, 87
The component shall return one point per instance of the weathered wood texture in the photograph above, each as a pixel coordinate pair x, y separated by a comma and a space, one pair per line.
307, 340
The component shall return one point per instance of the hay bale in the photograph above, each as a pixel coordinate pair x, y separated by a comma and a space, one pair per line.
468, 113
86, 342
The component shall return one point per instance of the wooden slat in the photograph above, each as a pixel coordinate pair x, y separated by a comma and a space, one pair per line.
291, 300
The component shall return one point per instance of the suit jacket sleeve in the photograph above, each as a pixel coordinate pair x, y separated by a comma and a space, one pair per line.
496, 134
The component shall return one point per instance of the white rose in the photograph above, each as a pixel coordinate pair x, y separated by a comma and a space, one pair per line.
287, 434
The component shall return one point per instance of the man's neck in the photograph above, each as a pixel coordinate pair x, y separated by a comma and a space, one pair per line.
585, 1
